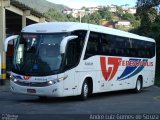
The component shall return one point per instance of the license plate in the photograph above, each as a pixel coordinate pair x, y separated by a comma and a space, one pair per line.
31, 91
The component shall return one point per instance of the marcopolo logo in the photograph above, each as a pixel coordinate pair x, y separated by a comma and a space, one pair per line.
110, 66
26, 77
21, 77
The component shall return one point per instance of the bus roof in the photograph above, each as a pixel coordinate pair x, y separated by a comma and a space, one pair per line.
57, 27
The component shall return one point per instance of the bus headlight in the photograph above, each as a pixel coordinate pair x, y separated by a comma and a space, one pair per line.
62, 78
51, 82
14, 79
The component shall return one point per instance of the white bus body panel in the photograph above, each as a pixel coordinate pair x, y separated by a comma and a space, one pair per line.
52, 90
89, 68
57, 27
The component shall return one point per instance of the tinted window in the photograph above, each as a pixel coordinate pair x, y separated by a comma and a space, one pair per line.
74, 49
105, 43
92, 45
121, 46
111, 45
144, 49
114, 45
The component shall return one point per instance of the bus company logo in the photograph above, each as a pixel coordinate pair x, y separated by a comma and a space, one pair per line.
133, 67
110, 66
26, 77
109, 70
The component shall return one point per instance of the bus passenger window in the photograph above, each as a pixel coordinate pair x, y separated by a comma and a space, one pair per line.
93, 45
105, 45
74, 49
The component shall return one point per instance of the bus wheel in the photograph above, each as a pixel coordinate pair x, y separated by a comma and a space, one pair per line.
85, 91
138, 87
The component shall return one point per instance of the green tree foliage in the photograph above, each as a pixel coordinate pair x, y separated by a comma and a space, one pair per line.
119, 11
128, 16
133, 19
146, 9
147, 18
105, 13
42, 6
155, 28
70, 18
86, 19
55, 15
147, 3
95, 18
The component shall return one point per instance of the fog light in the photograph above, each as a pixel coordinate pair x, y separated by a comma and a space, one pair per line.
51, 82
15, 80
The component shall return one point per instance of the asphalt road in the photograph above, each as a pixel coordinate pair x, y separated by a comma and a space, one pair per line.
121, 102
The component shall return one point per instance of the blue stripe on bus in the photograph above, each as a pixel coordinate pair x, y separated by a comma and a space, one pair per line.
128, 70
131, 70
18, 77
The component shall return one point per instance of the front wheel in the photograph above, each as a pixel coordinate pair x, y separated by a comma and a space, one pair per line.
138, 87
85, 91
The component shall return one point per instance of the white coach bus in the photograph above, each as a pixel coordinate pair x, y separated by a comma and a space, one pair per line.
60, 59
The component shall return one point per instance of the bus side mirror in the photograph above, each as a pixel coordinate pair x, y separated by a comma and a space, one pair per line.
7, 41
64, 43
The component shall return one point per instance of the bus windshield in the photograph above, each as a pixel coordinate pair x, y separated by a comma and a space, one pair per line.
38, 54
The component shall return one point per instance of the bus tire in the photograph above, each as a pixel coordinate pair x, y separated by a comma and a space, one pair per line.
138, 87
84, 91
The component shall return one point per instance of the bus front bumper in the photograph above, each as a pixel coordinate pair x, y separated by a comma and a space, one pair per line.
51, 90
